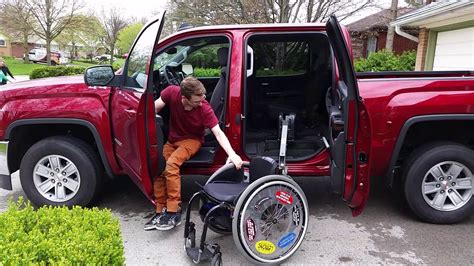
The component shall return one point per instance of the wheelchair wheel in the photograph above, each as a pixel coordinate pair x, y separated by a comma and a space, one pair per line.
270, 219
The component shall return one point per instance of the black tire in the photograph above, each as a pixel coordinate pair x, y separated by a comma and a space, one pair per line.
416, 172
53, 63
217, 260
191, 239
89, 170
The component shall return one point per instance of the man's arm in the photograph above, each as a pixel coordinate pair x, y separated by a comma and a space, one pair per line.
159, 104
225, 144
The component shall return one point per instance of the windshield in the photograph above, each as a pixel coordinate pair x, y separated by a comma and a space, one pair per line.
172, 57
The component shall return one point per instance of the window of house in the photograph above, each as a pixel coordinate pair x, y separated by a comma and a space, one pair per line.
3, 42
371, 44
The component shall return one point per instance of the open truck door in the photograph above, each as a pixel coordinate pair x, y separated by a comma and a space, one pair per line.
132, 108
348, 126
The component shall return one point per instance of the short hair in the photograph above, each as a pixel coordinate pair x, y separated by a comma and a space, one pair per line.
192, 86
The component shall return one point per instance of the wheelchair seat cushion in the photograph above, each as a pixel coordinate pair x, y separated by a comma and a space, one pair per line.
225, 191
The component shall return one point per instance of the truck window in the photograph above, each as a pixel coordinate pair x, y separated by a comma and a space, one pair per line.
280, 58
139, 58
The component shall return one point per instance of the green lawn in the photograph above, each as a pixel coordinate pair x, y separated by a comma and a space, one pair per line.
18, 67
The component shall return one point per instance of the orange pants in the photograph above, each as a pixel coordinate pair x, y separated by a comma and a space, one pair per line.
167, 186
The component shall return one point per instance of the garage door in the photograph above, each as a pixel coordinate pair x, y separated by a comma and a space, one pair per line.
454, 50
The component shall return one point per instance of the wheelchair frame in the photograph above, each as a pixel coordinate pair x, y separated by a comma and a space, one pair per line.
245, 230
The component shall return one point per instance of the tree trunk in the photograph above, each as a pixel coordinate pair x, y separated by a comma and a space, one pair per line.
112, 47
26, 51
48, 51
391, 30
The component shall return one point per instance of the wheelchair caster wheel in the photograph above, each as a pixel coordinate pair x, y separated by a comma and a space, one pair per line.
216, 259
191, 239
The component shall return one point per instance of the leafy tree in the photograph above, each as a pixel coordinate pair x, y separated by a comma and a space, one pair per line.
113, 22
52, 17
17, 22
204, 12
77, 32
127, 36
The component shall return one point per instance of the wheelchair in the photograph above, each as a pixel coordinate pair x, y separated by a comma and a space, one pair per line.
260, 205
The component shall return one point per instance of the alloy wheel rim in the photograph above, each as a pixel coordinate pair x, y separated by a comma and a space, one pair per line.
56, 178
447, 186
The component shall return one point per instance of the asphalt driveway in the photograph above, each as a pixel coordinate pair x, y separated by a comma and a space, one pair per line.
386, 232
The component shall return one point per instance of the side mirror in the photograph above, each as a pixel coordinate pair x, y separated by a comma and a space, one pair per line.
99, 75
187, 69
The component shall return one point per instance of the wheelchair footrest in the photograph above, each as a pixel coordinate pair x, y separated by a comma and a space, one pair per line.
206, 254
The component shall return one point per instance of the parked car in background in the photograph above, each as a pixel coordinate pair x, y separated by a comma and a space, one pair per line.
103, 58
38, 55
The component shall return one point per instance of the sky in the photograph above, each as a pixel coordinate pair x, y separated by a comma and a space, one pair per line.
145, 8
131, 8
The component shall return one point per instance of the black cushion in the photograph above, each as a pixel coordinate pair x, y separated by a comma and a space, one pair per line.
261, 166
225, 191
222, 55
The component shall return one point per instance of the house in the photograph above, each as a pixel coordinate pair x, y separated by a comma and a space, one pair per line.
446, 38
5, 46
370, 33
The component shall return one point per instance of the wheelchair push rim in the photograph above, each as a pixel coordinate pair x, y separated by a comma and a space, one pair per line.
270, 219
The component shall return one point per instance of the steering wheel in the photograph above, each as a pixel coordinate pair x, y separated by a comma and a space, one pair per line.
171, 77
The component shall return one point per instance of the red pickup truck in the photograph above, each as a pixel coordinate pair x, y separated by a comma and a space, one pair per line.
67, 136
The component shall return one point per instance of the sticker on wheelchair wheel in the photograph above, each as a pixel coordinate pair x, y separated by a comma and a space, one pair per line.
265, 247
250, 225
284, 197
287, 240
296, 215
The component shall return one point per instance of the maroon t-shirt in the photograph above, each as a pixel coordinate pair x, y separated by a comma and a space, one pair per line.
187, 124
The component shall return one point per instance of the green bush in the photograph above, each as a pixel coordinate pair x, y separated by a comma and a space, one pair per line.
55, 71
386, 61
206, 72
59, 236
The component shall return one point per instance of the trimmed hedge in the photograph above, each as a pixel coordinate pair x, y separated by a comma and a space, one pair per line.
206, 72
386, 61
55, 71
58, 235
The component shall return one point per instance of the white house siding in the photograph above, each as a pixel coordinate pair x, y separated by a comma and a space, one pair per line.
454, 50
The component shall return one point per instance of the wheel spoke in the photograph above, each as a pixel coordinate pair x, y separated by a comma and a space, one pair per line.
439, 200
43, 171
455, 197
60, 192
70, 169
437, 172
464, 183
455, 170
71, 184
46, 186
429, 188
54, 162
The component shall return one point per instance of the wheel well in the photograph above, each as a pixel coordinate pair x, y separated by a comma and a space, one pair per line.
421, 133
23, 137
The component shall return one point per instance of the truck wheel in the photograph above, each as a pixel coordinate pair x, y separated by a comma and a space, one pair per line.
61, 170
438, 182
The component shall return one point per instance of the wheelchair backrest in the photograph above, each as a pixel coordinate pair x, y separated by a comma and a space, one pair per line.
261, 166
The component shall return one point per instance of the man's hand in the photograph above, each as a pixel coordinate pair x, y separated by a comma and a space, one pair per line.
236, 160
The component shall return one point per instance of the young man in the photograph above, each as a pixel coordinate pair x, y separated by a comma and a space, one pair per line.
190, 115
